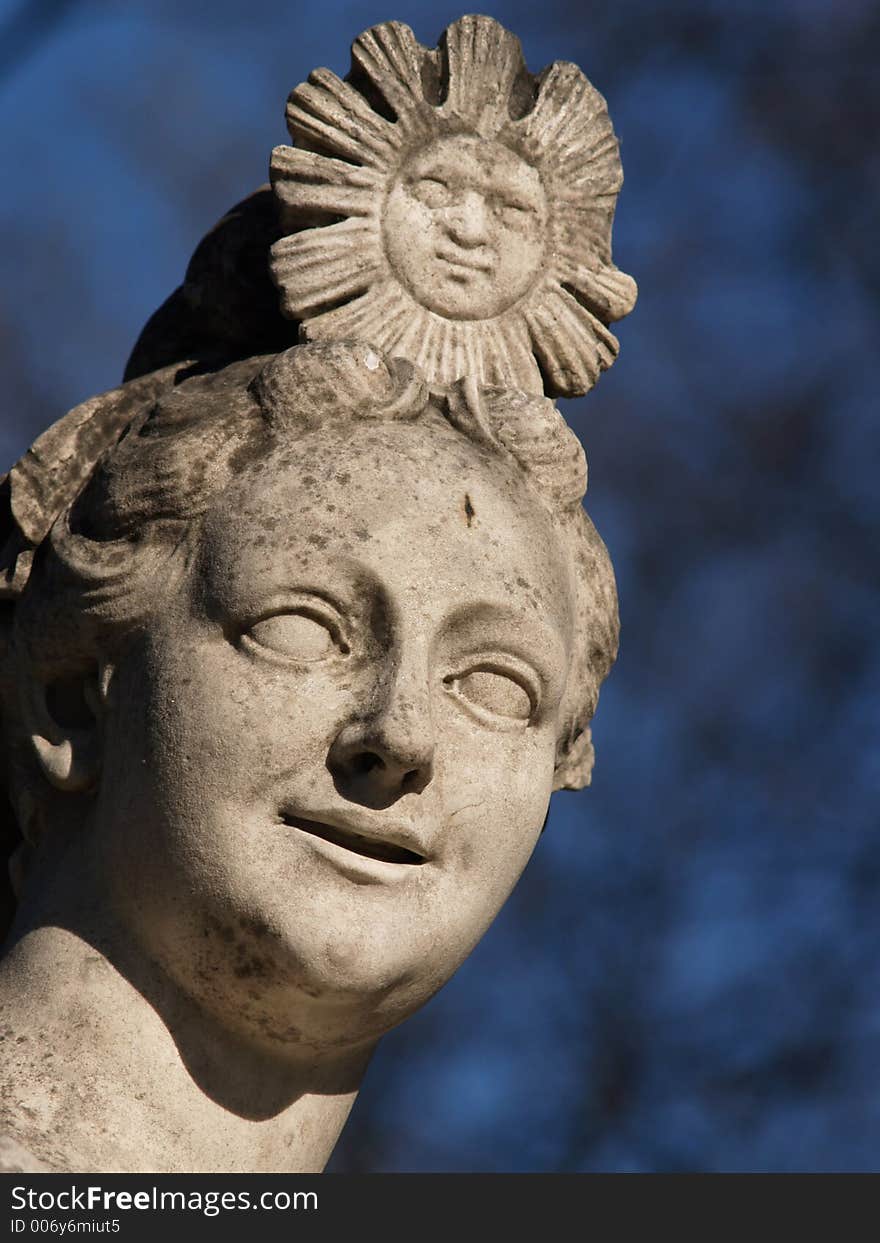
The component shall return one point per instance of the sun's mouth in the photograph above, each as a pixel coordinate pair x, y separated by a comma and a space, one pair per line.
465, 262
357, 843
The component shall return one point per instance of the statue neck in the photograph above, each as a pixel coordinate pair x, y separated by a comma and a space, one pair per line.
100, 1074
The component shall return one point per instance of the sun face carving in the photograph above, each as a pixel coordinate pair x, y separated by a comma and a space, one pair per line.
464, 227
451, 208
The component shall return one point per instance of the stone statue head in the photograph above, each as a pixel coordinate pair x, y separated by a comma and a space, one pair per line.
297, 640
304, 655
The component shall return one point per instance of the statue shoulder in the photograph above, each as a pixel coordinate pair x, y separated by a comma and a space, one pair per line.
15, 1158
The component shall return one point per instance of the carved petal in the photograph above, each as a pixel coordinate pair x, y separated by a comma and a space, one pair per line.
495, 352
318, 268
450, 351
569, 132
582, 230
309, 186
378, 317
510, 362
571, 344
391, 58
325, 114
483, 62
609, 293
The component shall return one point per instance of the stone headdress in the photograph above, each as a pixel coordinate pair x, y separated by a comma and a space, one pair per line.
340, 265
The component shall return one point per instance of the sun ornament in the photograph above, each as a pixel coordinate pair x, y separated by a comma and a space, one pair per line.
452, 208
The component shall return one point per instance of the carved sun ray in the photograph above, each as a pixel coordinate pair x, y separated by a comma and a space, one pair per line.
448, 206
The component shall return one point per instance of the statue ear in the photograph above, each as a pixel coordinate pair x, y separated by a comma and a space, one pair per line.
575, 767
64, 720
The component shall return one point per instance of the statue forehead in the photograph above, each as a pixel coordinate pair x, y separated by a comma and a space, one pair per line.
353, 461
364, 484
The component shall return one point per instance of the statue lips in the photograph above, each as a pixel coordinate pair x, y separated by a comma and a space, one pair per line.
359, 844
463, 262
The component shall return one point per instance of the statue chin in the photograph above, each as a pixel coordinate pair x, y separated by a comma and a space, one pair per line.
310, 634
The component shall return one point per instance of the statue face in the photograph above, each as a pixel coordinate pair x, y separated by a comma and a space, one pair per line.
464, 227
332, 752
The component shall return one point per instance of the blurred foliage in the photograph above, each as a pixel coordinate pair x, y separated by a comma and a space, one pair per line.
688, 977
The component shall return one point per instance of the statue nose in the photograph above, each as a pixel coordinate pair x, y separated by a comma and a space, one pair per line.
468, 223
376, 759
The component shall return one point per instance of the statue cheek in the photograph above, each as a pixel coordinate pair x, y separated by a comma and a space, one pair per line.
498, 797
289, 721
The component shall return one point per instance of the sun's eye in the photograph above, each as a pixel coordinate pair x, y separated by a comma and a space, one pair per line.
513, 213
494, 692
431, 192
298, 636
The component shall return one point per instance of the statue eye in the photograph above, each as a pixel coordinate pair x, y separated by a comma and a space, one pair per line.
431, 192
495, 692
298, 636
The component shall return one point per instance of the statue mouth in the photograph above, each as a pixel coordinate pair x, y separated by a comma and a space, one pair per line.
464, 262
369, 847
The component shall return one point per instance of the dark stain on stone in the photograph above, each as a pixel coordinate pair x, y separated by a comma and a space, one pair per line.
223, 931
469, 511
250, 967
247, 454
255, 926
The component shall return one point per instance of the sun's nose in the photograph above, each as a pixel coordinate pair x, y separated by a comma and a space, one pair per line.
468, 222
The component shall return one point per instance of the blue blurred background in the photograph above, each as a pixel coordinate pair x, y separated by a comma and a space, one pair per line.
688, 977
